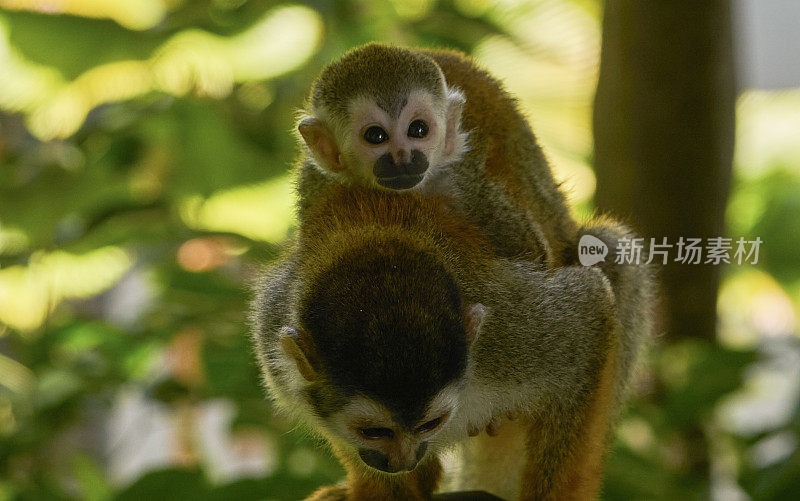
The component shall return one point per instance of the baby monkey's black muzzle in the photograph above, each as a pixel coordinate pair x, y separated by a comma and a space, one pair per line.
400, 176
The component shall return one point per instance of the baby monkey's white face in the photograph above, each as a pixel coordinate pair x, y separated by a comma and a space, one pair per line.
395, 149
396, 152
384, 443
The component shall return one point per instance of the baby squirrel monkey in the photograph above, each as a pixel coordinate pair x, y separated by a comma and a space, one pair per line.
392, 329
395, 118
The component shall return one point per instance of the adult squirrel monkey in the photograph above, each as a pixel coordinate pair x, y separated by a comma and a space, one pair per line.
396, 119
392, 329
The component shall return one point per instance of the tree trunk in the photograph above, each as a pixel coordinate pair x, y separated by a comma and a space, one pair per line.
664, 134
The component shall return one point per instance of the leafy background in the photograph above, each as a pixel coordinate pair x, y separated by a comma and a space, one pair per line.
145, 154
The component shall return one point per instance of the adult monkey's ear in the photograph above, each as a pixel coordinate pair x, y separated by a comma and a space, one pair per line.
455, 140
474, 316
322, 143
299, 349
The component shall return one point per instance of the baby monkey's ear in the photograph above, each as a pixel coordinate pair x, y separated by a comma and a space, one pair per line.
298, 349
473, 321
322, 143
454, 140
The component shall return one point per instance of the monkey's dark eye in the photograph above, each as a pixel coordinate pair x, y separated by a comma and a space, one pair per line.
430, 425
417, 129
375, 135
376, 433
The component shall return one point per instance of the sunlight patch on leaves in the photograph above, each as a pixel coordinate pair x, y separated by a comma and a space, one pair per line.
192, 60
132, 14
29, 293
260, 211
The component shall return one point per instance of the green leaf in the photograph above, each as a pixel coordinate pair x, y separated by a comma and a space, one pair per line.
167, 485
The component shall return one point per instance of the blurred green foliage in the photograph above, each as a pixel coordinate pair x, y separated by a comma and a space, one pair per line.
144, 156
